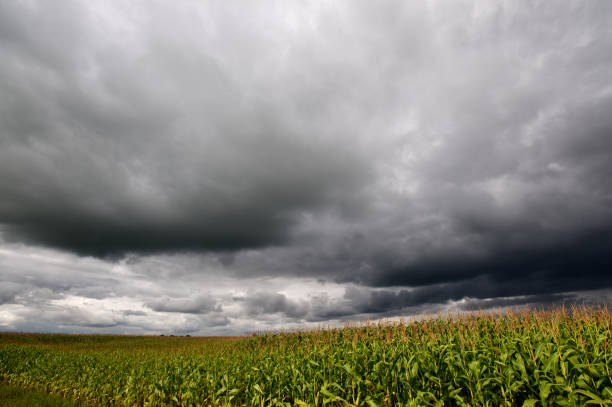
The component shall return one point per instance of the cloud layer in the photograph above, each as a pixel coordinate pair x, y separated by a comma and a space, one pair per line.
387, 158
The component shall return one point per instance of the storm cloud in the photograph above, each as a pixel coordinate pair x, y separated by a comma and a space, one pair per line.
107, 151
263, 165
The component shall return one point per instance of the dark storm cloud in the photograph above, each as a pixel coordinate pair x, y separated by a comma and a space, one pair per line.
545, 300
479, 292
504, 173
416, 154
107, 150
587, 252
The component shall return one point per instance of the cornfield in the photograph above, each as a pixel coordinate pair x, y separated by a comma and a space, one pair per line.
522, 358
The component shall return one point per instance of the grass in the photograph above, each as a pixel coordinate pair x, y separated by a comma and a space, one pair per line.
528, 358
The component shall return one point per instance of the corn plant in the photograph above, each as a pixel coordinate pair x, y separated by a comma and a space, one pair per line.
527, 358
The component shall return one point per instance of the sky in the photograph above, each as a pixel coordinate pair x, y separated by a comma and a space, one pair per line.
218, 168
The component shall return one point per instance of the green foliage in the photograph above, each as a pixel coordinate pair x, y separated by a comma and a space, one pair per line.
523, 359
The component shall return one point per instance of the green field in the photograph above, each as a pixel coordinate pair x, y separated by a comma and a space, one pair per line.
559, 357
13, 396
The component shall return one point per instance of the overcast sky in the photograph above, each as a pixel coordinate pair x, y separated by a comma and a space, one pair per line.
212, 167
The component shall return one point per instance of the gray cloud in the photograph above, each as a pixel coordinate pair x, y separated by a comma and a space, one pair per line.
136, 313
402, 155
197, 305
8, 292
265, 303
